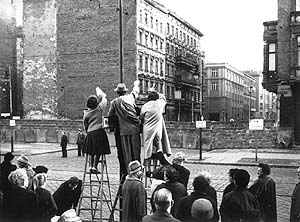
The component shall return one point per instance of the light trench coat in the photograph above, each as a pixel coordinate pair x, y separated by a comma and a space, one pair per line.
154, 129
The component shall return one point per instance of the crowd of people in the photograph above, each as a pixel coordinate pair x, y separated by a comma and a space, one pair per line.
24, 196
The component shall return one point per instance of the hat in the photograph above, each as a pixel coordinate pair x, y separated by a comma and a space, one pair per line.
67, 216
23, 159
202, 209
40, 169
121, 87
8, 156
135, 166
179, 156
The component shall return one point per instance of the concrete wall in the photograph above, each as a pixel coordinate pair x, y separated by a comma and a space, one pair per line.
215, 136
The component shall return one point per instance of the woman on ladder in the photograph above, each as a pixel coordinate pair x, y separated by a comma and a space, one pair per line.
96, 141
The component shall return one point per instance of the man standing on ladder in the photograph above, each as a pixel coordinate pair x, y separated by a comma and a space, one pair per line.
124, 109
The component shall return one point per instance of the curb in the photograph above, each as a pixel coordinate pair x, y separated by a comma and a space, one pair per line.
240, 164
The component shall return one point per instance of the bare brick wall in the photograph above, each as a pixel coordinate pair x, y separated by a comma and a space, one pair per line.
181, 135
72, 47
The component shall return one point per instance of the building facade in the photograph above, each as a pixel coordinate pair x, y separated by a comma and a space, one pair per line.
71, 47
282, 68
230, 93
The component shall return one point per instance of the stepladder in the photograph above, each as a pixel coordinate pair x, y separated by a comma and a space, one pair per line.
95, 201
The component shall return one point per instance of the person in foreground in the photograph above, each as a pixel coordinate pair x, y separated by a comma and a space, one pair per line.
163, 203
134, 194
295, 205
202, 210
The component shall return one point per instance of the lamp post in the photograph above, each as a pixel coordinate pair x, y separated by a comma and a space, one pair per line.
250, 90
121, 39
192, 108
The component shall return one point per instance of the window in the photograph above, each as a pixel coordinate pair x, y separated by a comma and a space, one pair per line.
176, 33
172, 30
156, 25
161, 27
151, 22
141, 16
183, 37
180, 35
214, 86
168, 92
161, 44
151, 41
140, 61
195, 42
151, 64
168, 49
161, 68
146, 64
146, 85
168, 28
156, 43
188, 39
156, 66
272, 57
146, 39
146, 18
141, 36
214, 72
162, 88
172, 50
167, 69
176, 51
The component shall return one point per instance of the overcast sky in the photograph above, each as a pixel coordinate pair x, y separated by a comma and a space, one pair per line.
233, 29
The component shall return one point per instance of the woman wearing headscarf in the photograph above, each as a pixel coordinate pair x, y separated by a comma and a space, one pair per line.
156, 141
96, 140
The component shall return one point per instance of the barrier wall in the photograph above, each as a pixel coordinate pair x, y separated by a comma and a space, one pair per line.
182, 135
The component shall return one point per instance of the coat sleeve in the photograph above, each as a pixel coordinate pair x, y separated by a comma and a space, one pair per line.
141, 201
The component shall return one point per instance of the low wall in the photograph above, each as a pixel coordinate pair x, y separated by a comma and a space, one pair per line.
182, 135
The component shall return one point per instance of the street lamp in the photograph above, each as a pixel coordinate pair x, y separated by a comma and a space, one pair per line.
250, 90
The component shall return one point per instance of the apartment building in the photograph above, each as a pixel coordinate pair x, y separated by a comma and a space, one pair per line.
230, 93
282, 68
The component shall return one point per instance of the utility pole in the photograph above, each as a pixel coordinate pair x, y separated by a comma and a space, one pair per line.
11, 110
250, 89
121, 39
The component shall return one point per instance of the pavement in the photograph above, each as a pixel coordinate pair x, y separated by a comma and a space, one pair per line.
283, 162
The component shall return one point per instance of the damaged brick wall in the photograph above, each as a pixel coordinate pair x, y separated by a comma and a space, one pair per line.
40, 94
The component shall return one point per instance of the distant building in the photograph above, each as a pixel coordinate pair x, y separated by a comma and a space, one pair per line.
229, 93
71, 47
282, 67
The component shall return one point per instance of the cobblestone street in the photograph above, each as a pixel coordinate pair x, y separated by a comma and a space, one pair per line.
60, 169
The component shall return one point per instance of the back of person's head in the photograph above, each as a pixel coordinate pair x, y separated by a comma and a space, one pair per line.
18, 178
39, 180
242, 178
200, 183
202, 210
162, 199
92, 102
264, 168
73, 182
159, 173
153, 95
232, 172
206, 175
171, 173
8, 156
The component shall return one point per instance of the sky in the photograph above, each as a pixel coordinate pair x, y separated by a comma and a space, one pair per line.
233, 29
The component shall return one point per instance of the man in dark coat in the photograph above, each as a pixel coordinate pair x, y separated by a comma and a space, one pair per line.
177, 189
80, 142
240, 204
200, 184
295, 205
67, 195
231, 186
163, 202
134, 194
124, 110
6, 167
184, 173
63, 144
264, 189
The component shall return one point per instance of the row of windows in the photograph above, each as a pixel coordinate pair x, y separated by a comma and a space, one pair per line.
181, 35
150, 40
151, 22
146, 84
151, 64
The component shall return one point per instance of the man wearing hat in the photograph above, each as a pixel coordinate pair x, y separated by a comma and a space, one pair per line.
80, 142
23, 162
5, 168
125, 113
134, 194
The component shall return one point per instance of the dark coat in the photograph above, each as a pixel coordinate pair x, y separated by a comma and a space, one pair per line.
64, 141
20, 204
239, 204
46, 204
160, 216
5, 169
228, 188
66, 198
295, 205
178, 191
134, 200
186, 203
211, 192
184, 174
264, 189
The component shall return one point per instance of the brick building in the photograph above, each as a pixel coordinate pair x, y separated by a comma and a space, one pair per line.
70, 47
282, 67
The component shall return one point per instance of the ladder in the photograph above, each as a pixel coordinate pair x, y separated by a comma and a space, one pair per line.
95, 201
117, 200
